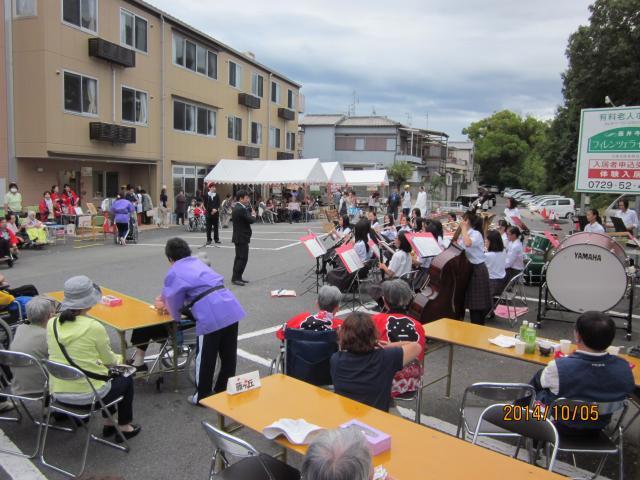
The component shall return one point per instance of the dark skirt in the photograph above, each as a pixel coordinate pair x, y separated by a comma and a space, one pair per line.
478, 296
497, 285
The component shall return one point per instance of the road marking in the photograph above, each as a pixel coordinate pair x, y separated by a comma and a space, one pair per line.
18, 468
258, 333
254, 358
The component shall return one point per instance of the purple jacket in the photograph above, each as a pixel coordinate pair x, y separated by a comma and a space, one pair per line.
189, 277
121, 209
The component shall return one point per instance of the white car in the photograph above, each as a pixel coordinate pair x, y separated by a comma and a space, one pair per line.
512, 191
563, 207
535, 201
521, 195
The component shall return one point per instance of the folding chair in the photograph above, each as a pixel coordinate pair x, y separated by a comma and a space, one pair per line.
414, 396
469, 416
307, 354
594, 443
82, 414
254, 465
6, 335
541, 430
513, 298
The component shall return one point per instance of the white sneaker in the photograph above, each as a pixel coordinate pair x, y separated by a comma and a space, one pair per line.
6, 406
193, 399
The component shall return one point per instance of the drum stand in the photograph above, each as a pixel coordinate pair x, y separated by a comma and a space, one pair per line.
546, 303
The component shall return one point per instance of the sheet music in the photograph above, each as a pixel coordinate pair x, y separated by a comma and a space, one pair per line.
350, 258
313, 245
424, 244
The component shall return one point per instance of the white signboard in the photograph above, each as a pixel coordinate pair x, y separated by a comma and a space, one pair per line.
243, 383
609, 150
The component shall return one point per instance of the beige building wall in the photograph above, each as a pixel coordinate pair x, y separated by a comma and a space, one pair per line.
4, 147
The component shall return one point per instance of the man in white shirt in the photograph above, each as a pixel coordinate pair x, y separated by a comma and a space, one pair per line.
421, 201
406, 202
629, 217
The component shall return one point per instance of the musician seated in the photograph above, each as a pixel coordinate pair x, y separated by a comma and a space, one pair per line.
595, 223
629, 217
400, 263
503, 226
396, 326
343, 229
295, 211
329, 299
373, 219
364, 367
515, 253
389, 231
589, 373
495, 259
452, 217
361, 239
404, 225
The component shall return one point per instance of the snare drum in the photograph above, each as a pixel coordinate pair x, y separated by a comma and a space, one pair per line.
588, 272
540, 243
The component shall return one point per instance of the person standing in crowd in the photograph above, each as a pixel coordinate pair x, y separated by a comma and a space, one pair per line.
49, 209
138, 204
595, 223
163, 210
337, 195
478, 295
629, 217
242, 217
343, 206
13, 200
393, 203
212, 208
121, 211
225, 210
55, 195
181, 207
215, 310
70, 199
421, 201
147, 206
406, 201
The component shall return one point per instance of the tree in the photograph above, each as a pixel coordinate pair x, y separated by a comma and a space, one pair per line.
400, 172
436, 182
604, 60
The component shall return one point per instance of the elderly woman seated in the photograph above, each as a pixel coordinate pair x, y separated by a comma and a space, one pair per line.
329, 299
365, 366
396, 326
35, 229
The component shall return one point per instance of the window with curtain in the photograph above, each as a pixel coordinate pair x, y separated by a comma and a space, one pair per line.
81, 13
234, 128
291, 141
194, 56
133, 30
274, 137
235, 75
193, 118
25, 8
257, 85
134, 106
275, 92
291, 99
80, 94
256, 133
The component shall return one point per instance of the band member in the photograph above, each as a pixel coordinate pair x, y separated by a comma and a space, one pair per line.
478, 296
343, 229
389, 231
595, 223
496, 259
242, 217
400, 263
361, 237
515, 253
511, 210
503, 226
373, 219
629, 217
212, 209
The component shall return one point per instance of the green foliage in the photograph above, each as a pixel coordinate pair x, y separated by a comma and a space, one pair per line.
436, 182
400, 172
506, 145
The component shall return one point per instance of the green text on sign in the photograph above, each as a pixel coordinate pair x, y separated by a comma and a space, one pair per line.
624, 139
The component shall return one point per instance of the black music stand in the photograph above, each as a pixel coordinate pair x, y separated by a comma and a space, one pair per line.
618, 224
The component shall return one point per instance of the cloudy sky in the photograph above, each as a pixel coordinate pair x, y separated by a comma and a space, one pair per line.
445, 62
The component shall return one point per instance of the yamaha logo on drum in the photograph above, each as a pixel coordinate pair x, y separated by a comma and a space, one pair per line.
593, 257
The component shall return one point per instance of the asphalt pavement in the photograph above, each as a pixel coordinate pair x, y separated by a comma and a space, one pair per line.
172, 443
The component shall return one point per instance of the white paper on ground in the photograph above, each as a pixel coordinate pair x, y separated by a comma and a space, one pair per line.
298, 432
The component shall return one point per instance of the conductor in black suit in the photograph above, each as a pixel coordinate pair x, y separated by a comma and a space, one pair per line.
212, 207
242, 217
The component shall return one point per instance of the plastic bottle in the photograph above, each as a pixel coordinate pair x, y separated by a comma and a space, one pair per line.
530, 340
523, 329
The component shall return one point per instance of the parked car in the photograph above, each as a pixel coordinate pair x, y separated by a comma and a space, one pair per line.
563, 207
467, 199
512, 191
522, 194
538, 198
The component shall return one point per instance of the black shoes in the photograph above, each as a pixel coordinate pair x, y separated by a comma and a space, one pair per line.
218, 241
109, 430
244, 281
240, 283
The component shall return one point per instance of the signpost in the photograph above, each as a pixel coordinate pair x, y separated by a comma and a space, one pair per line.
609, 151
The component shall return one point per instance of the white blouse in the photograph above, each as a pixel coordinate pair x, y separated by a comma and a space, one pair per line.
475, 252
400, 263
361, 250
515, 255
594, 227
495, 264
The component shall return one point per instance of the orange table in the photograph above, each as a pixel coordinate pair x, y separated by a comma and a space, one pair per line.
417, 452
469, 335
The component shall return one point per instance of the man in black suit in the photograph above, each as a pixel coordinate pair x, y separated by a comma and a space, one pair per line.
212, 207
242, 217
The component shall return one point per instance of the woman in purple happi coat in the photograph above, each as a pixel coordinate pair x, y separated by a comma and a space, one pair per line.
216, 311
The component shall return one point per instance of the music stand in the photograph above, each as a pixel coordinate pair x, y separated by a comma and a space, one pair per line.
618, 224
316, 249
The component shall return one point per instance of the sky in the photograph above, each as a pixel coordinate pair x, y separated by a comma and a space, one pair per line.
438, 64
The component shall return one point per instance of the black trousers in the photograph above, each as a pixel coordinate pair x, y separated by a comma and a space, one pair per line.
123, 229
212, 221
240, 262
120, 387
222, 343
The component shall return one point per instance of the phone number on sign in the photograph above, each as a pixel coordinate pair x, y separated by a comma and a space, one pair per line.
563, 413
609, 185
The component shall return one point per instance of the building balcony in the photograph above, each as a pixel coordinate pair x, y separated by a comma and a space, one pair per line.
111, 52
284, 156
108, 132
248, 100
408, 158
248, 152
286, 114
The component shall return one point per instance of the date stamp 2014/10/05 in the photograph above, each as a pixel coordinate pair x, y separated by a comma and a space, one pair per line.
562, 413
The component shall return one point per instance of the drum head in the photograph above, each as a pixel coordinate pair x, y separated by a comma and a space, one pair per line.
586, 277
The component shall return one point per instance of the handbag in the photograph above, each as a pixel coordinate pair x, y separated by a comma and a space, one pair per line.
186, 308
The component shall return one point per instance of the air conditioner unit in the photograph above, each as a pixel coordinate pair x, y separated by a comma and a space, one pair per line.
249, 100
111, 52
108, 132
248, 152
286, 114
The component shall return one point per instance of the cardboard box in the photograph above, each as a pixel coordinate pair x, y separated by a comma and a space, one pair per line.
111, 301
378, 441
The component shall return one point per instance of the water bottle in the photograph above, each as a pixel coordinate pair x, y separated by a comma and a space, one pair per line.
523, 329
530, 339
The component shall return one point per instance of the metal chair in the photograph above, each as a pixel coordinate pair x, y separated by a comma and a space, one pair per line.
598, 442
541, 430
414, 396
469, 417
6, 335
82, 414
513, 296
254, 465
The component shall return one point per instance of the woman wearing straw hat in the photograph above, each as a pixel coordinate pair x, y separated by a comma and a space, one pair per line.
75, 339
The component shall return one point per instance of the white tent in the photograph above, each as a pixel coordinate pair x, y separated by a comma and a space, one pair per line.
334, 173
263, 172
373, 178
235, 171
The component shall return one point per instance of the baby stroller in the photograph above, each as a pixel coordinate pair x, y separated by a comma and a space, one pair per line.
132, 235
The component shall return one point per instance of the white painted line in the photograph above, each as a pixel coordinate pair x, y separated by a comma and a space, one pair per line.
254, 358
258, 333
18, 468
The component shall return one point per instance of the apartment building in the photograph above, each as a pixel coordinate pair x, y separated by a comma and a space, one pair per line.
103, 93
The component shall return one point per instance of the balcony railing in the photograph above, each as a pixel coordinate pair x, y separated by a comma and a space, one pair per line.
108, 132
111, 52
408, 158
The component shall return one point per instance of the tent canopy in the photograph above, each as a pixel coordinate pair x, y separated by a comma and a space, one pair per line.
334, 173
373, 178
262, 172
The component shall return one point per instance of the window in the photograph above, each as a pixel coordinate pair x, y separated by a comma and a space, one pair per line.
81, 13
80, 94
391, 144
564, 202
274, 137
235, 75
134, 106
359, 143
234, 128
194, 118
256, 133
133, 30
189, 54
25, 8
291, 99
257, 85
291, 141
275, 92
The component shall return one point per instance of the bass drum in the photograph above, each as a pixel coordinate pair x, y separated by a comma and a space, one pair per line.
588, 272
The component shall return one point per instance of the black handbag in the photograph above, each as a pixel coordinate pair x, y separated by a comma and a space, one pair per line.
185, 311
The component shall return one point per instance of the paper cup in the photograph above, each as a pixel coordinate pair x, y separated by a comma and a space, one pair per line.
520, 347
565, 346
614, 350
